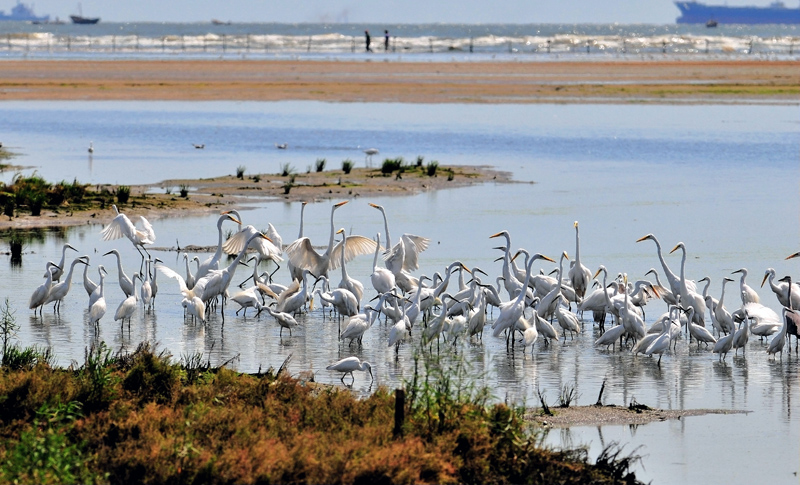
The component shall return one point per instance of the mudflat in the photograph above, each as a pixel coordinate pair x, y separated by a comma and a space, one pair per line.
605, 81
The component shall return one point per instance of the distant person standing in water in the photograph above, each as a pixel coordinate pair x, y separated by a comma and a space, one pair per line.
366, 34
386, 40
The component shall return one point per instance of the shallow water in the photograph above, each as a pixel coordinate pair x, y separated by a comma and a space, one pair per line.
722, 179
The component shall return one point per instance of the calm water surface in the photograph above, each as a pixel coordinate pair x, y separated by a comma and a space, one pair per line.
722, 179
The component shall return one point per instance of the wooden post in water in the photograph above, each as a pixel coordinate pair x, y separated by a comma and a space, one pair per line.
663, 46
308, 49
588, 44
548, 45
399, 411
470, 44
430, 43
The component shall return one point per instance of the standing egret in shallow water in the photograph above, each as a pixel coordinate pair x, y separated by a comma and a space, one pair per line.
212, 262
60, 290
39, 296
748, 294
59, 269
579, 275
348, 365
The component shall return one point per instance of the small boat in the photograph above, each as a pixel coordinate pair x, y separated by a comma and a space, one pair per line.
80, 19
220, 22
77, 19
711, 23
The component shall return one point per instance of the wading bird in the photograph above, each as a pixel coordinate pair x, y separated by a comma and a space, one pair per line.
348, 365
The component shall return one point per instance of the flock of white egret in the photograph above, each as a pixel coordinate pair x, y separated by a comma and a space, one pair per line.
531, 305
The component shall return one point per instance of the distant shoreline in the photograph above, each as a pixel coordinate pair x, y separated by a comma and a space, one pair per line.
622, 81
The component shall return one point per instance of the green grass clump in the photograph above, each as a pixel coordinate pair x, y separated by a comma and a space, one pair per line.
240, 172
319, 166
34, 193
347, 166
123, 194
431, 168
390, 165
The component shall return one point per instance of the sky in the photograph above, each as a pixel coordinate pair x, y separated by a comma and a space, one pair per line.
384, 12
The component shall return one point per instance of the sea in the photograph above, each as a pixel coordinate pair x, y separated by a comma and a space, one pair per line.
520, 42
721, 178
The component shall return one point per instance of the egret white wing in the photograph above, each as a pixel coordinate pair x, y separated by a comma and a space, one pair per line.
302, 254
356, 246
119, 227
147, 235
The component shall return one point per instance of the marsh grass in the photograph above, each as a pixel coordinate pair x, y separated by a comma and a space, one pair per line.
347, 166
240, 171
319, 166
34, 193
431, 168
123, 194
287, 169
184, 190
140, 418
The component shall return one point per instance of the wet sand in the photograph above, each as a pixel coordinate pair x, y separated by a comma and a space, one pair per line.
406, 82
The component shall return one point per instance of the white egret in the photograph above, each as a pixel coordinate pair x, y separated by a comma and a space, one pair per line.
579, 275
741, 336
101, 270
59, 290
247, 298
342, 299
748, 294
285, 320
723, 346
189, 275
195, 307
781, 290
672, 279
548, 303
701, 334
610, 336
351, 284
294, 271
302, 254
403, 256
216, 282
121, 226
349, 365
764, 320
125, 282
39, 296
88, 284
723, 316
369, 152
97, 307
664, 293
779, 341
659, 345
296, 295
512, 310
267, 248
154, 281
689, 296
566, 319
382, 279
146, 291
59, 269
357, 325
213, 261
128, 305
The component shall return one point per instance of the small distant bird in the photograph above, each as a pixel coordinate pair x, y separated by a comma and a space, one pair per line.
91, 148
281, 146
199, 147
369, 152
350, 364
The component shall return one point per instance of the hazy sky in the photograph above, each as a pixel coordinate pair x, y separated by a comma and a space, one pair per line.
380, 11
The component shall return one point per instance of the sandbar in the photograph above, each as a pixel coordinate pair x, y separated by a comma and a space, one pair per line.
606, 81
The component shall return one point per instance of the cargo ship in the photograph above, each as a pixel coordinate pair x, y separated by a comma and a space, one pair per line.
23, 13
699, 13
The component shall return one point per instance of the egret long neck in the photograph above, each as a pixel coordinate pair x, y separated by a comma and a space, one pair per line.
377, 249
